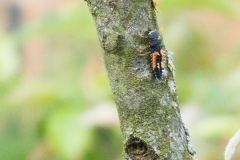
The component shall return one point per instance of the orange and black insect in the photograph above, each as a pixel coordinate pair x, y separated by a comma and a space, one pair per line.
156, 54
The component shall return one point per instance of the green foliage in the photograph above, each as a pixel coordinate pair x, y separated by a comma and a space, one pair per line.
223, 7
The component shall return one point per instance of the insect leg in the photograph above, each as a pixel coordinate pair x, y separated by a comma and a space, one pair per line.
155, 4
143, 53
144, 48
162, 52
142, 36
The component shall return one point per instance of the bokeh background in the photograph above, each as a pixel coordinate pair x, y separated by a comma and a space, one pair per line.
55, 99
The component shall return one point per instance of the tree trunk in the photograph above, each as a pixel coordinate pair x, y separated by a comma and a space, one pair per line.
148, 109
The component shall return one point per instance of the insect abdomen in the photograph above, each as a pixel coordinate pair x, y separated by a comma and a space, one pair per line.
156, 64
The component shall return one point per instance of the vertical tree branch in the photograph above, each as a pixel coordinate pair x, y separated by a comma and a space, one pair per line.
148, 109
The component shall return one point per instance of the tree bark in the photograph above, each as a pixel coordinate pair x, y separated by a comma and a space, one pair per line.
148, 109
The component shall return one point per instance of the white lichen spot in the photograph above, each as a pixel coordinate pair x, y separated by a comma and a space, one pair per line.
165, 99
191, 149
137, 116
150, 137
126, 155
168, 128
170, 62
94, 8
142, 72
128, 131
146, 74
166, 155
158, 80
172, 145
133, 99
139, 130
172, 86
177, 145
135, 68
174, 104
181, 148
160, 112
160, 132
156, 150
164, 72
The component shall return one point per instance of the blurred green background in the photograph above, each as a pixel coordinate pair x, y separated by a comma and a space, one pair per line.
55, 99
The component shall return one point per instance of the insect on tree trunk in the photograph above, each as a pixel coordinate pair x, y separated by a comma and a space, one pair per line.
148, 109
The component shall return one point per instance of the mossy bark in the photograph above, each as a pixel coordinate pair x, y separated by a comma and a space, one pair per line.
148, 109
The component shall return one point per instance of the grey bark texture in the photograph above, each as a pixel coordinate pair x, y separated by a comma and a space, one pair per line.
148, 109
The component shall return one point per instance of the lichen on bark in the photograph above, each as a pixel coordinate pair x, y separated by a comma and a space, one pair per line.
148, 109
